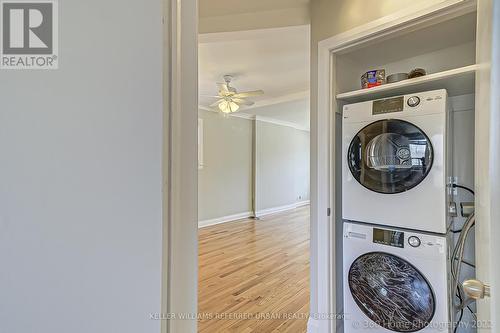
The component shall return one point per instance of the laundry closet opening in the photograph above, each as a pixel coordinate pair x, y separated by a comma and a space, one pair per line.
253, 179
404, 165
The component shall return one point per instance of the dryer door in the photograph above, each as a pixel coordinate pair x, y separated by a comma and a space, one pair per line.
391, 292
390, 156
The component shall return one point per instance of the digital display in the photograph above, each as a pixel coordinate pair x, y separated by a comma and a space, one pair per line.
389, 237
388, 105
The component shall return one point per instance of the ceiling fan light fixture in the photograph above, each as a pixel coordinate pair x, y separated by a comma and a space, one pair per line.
233, 106
229, 99
228, 106
224, 107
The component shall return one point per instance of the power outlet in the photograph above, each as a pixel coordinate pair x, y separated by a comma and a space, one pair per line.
452, 190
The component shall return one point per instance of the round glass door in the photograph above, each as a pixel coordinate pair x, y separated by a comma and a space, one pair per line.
390, 156
391, 292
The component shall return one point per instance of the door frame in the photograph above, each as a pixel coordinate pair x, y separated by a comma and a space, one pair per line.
325, 131
179, 284
179, 263
487, 160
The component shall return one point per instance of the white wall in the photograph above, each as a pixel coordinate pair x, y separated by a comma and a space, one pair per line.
295, 112
282, 170
225, 181
80, 176
463, 169
302, 165
225, 187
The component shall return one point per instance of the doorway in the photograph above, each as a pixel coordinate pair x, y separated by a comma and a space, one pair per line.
322, 198
253, 180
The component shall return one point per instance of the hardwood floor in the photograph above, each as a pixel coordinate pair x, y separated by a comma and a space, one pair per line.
254, 275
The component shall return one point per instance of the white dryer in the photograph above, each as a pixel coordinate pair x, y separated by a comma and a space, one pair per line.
396, 161
394, 280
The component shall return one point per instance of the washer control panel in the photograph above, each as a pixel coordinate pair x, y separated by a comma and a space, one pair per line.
365, 237
388, 237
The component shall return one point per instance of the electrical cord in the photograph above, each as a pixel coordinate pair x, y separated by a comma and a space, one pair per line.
472, 312
456, 264
457, 324
467, 263
458, 259
461, 311
464, 188
458, 252
457, 231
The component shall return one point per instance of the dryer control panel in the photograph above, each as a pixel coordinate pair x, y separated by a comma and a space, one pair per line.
418, 104
388, 105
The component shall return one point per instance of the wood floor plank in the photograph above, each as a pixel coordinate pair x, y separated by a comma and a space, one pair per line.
254, 275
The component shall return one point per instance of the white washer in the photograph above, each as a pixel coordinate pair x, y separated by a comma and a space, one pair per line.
396, 161
394, 280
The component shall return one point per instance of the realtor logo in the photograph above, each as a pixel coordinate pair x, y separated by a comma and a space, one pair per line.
29, 35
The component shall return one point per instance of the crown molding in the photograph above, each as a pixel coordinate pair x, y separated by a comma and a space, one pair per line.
296, 96
247, 116
281, 99
206, 108
235, 114
243, 115
281, 123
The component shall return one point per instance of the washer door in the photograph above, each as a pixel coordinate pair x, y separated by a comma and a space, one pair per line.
390, 156
391, 292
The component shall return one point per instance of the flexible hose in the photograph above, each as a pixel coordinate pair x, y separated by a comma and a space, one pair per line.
458, 255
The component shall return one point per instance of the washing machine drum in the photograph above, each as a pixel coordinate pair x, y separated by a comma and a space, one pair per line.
390, 156
391, 292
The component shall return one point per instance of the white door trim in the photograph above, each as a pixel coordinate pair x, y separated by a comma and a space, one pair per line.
324, 136
495, 165
180, 166
487, 160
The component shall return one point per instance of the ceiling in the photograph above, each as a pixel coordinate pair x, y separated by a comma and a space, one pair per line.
274, 60
231, 7
295, 112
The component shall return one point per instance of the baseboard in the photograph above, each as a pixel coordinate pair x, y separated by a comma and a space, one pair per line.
240, 216
224, 219
280, 209
302, 203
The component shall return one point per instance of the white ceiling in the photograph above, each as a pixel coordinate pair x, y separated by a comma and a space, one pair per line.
230, 7
274, 60
296, 112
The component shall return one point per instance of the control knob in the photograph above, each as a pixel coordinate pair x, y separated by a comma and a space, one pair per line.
413, 101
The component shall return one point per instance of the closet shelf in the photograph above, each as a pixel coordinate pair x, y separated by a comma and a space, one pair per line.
458, 81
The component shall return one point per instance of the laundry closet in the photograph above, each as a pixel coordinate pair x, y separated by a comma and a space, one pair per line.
404, 178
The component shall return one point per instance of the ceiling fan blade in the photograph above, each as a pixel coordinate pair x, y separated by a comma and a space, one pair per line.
216, 103
210, 96
249, 93
243, 101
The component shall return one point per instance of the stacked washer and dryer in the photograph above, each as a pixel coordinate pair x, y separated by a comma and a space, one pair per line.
395, 197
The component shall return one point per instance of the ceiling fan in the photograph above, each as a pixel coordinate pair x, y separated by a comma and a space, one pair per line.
229, 99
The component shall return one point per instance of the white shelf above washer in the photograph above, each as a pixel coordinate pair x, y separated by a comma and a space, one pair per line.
457, 81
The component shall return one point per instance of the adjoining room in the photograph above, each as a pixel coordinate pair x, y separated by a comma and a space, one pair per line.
253, 179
